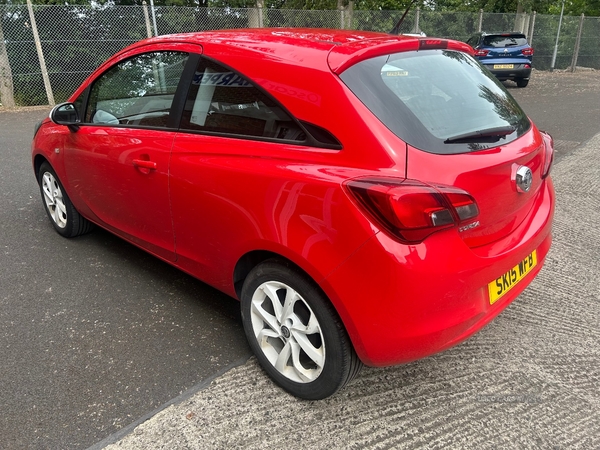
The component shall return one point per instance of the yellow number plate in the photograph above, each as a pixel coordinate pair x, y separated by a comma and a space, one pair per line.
504, 66
509, 280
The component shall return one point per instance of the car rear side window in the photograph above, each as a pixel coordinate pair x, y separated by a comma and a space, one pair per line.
138, 91
439, 101
222, 101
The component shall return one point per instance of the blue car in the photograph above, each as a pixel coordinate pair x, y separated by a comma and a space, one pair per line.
507, 55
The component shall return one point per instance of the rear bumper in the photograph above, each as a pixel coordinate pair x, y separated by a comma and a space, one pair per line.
518, 71
400, 303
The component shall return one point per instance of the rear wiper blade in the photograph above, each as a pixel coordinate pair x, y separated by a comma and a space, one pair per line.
487, 135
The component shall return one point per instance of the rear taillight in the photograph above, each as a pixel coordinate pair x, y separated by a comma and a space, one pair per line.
410, 210
481, 52
527, 51
548, 153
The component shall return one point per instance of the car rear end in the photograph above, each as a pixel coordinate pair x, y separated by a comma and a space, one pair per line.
467, 226
507, 55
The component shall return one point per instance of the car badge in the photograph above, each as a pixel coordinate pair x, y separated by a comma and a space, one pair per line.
505, 50
524, 179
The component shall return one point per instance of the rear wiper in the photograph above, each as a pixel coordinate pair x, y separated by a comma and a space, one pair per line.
487, 135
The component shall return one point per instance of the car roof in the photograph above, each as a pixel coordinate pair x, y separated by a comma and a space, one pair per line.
504, 33
324, 48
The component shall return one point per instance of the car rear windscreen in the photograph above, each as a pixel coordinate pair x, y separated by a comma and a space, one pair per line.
440, 101
499, 41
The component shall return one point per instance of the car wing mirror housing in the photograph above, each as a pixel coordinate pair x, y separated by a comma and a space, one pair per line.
66, 114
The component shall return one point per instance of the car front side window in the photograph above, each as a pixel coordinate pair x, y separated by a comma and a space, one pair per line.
138, 91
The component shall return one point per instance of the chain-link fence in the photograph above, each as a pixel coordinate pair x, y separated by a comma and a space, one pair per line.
72, 40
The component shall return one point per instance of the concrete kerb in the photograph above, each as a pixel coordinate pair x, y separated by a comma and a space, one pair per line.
122, 433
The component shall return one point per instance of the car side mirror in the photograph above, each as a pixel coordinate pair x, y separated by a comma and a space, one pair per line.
66, 114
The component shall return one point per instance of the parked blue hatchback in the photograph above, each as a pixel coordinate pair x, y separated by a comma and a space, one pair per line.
507, 55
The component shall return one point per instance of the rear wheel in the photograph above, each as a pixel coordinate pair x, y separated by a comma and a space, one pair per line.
63, 215
295, 333
521, 82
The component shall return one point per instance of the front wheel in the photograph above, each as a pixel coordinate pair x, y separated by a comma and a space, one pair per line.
295, 333
63, 215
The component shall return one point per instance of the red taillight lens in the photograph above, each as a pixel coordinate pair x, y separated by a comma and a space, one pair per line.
527, 51
410, 210
548, 153
481, 52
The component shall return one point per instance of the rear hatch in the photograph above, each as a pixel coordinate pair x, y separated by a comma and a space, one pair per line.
490, 176
462, 130
506, 48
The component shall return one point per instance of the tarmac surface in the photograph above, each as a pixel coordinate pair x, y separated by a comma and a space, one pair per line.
103, 345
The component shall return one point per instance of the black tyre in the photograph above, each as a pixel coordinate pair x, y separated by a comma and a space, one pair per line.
295, 333
522, 82
63, 215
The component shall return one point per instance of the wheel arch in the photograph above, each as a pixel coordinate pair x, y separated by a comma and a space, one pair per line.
253, 258
38, 160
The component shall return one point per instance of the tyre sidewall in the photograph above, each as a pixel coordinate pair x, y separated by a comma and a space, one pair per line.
333, 375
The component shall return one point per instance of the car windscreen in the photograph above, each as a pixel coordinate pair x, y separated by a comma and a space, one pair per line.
440, 101
500, 41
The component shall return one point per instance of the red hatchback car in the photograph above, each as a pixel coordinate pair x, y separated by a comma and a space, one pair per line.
368, 198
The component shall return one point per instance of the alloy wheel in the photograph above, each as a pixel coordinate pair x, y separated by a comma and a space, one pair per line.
288, 332
54, 200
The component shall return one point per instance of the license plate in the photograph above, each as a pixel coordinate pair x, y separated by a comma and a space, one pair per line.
504, 66
510, 279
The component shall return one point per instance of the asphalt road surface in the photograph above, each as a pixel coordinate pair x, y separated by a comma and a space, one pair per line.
96, 335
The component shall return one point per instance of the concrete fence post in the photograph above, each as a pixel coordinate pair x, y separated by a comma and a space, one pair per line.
7, 97
255, 15
147, 19
577, 44
531, 28
480, 24
38, 47
417, 19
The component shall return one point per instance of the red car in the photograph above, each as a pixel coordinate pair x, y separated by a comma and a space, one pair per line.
370, 199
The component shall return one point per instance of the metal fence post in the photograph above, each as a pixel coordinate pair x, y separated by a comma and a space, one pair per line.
480, 21
40, 53
577, 44
147, 19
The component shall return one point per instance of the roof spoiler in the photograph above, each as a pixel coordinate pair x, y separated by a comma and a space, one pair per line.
396, 29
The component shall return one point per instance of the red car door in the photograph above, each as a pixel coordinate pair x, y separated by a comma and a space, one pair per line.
118, 160
122, 175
